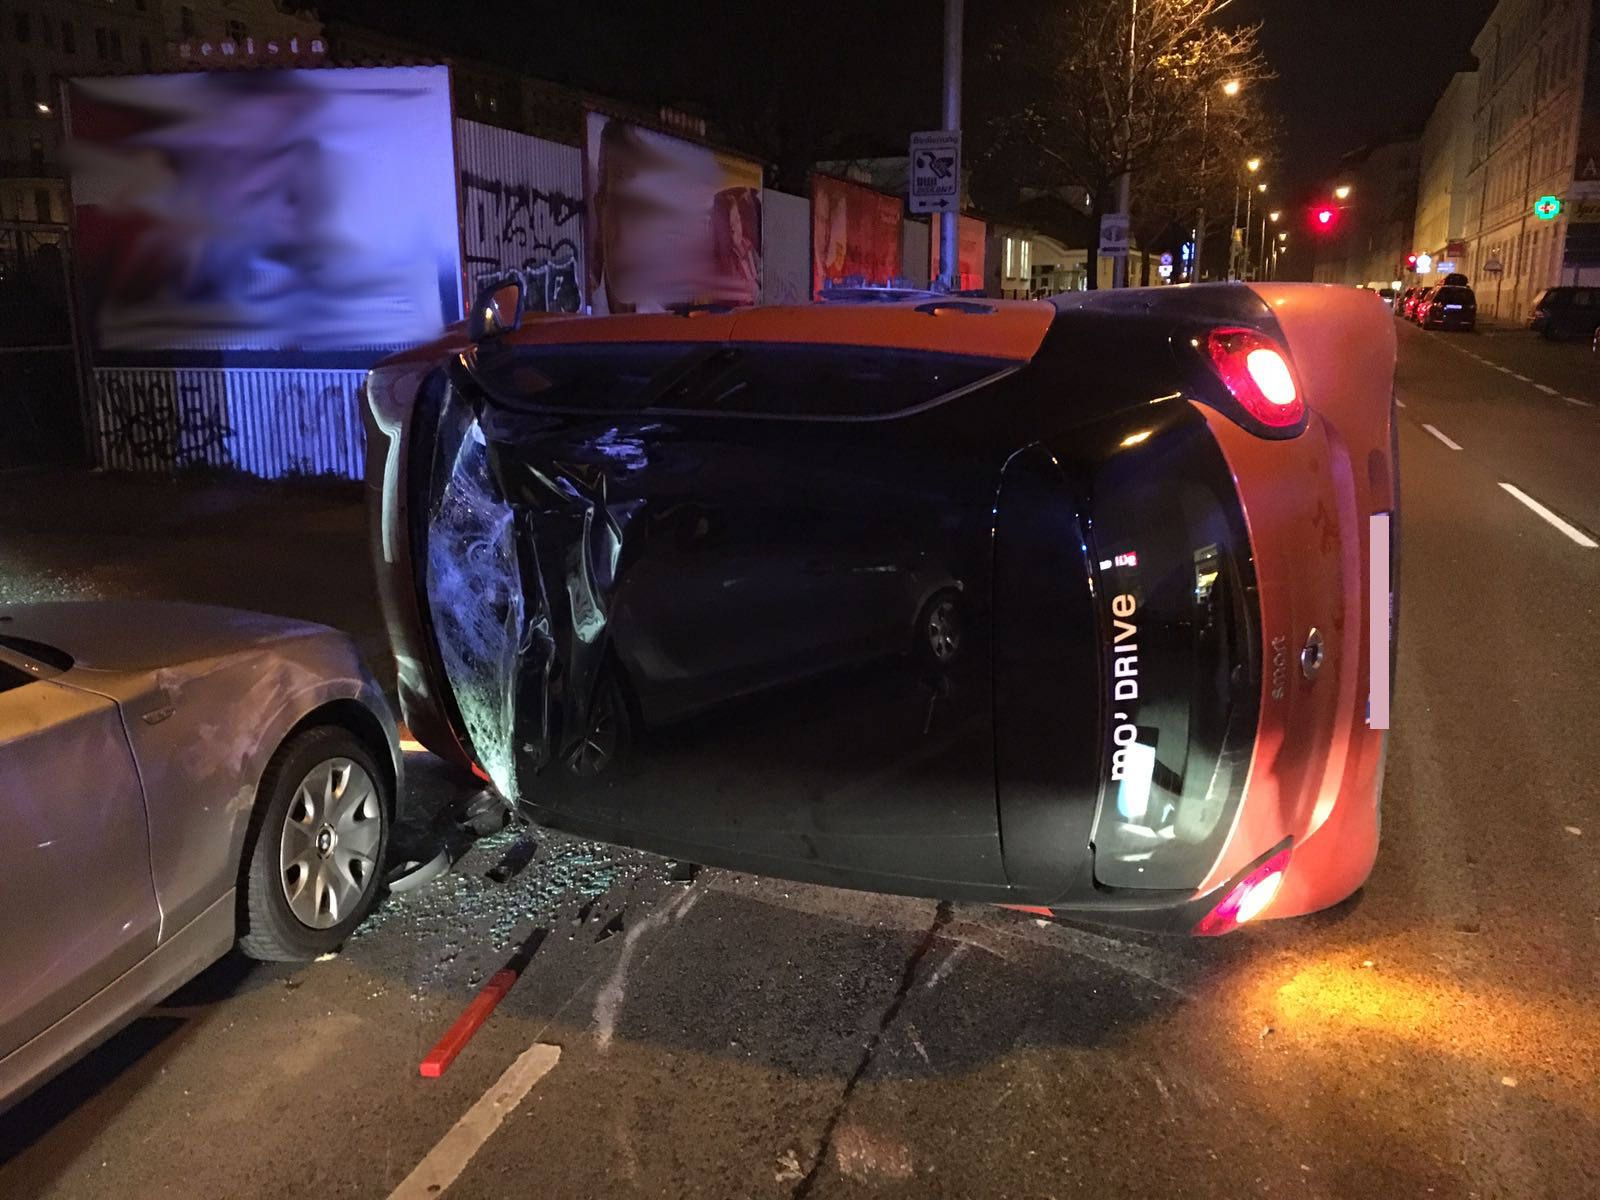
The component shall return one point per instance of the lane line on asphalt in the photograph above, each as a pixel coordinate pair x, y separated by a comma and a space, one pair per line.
1572, 531
1401, 403
1498, 367
443, 1165
1547, 389
1441, 437
1519, 375
1579, 403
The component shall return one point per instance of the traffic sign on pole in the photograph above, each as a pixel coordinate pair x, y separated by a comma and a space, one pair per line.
936, 171
1114, 235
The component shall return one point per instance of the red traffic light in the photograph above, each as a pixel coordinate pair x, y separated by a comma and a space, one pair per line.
1324, 217
1411, 261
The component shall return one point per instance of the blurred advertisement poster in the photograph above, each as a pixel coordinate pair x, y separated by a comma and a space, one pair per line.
855, 235
304, 210
969, 252
670, 222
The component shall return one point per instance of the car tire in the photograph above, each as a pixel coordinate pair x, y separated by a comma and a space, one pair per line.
314, 855
940, 632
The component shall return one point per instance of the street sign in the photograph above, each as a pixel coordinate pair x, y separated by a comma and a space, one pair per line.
1114, 235
936, 171
1547, 208
1164, 268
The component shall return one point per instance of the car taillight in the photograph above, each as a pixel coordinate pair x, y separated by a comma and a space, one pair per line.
1248, 898
1257, 373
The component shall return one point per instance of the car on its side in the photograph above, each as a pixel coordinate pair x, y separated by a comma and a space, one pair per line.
177, 779
1449, 307
1560, 313
950, 597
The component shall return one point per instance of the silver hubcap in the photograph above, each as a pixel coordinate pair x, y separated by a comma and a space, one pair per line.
328, 851
944, 633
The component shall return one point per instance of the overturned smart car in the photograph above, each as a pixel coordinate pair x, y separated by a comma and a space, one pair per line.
1081, 606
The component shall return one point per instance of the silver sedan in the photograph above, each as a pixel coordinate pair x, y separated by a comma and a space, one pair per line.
174, 779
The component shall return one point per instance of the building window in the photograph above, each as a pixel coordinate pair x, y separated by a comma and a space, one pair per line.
100, 43
1009, 271
1025, 260
41, 205
47, 31
494, 103
186, 24
36, 155
237, 31
69, 38
116, 45
30, 88
138, 5
146, 59
24, 27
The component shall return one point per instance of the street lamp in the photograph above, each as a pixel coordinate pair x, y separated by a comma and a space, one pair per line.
1230, 88
1342, 192
1252, 165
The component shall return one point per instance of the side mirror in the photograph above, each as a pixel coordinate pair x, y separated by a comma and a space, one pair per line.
497, 309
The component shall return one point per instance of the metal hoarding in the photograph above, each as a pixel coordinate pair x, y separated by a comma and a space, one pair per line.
855, 234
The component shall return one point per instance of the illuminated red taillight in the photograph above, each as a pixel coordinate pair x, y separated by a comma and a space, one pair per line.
1248, 898
1257, 373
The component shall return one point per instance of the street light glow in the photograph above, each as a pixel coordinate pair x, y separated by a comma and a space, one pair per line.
1261, 187
1342, 192
1252, 164
44, 109
1231, 88
1273, 216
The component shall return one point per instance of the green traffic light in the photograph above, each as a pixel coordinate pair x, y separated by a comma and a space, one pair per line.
1547, 208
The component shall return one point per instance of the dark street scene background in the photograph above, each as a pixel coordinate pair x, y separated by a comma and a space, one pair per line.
216, 218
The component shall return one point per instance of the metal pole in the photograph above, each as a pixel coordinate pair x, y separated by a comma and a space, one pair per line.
1249, 195
1200, 224
1233, 229
1119, 266
1261, 271
950, 221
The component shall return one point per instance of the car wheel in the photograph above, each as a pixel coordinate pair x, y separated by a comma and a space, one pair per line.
314, 857
940, 631
606, 734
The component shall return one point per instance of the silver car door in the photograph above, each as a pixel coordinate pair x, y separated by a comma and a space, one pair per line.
77, 905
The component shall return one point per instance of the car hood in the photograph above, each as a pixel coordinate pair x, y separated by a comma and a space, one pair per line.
142, 635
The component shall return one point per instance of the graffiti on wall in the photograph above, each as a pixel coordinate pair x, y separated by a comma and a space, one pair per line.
534, 229
154, 421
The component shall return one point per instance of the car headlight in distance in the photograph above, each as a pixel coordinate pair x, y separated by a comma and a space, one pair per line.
1248, 898
1256, 372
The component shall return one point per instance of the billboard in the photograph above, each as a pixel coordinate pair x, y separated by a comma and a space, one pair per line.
855, 234
669, 221
969, 252
268, 211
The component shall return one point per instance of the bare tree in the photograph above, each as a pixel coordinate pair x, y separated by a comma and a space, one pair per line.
1074, 92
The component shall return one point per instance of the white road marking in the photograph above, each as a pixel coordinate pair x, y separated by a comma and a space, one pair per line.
1400, 402
1498, 367
1441, 437
1546, 389
1579, 403
1572, 531
449, 1157
1524, 378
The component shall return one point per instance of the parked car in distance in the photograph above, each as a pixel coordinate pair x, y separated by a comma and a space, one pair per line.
1419, 300
1449, 308
1403, 299
1566, 312
1387, 295
174, 779
984, 600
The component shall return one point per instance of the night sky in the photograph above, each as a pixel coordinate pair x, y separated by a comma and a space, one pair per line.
1352, 71
864, 72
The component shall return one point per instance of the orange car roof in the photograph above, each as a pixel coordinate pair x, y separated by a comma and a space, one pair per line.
1008, 329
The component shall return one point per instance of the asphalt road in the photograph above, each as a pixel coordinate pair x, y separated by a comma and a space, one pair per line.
727, 1036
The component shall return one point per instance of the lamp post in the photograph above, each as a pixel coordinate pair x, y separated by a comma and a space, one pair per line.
1265, 217
1230, 89
1252, 165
